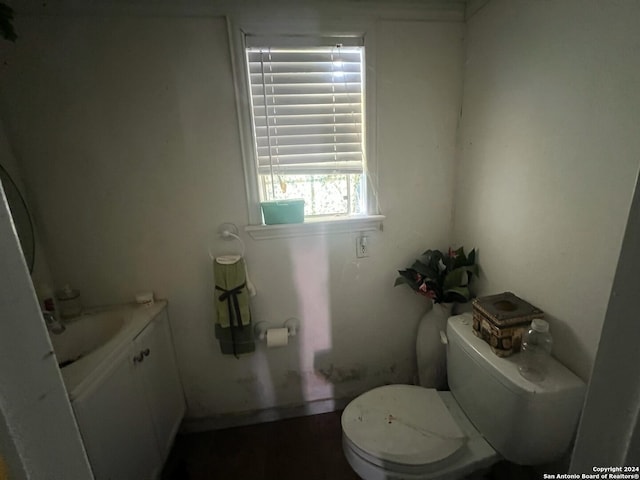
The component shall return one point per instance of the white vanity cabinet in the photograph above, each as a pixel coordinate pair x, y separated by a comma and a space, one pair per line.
129, 416
160, 379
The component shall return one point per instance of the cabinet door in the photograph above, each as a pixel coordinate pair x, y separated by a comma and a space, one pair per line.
116, 426
161, 381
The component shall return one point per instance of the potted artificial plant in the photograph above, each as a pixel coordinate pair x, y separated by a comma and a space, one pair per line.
443, 278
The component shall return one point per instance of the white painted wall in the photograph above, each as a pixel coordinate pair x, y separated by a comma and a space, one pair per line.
35, 413
548, 156
127, 137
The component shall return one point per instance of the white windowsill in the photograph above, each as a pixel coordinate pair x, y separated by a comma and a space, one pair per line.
317, 226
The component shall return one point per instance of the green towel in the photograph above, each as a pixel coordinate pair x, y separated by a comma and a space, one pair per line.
233, 326
234, 340
231, 296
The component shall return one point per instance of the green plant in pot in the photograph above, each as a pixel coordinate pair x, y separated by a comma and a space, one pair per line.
444, 278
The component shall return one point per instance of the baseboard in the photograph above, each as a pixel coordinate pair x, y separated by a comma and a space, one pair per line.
252, 417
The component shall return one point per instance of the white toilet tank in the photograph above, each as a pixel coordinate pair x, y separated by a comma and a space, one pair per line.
527, 423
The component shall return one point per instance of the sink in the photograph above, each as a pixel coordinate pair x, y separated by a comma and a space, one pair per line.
85, 334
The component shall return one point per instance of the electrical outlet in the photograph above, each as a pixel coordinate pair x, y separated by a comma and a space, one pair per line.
362, 247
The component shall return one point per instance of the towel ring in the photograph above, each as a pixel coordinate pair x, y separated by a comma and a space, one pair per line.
228, 231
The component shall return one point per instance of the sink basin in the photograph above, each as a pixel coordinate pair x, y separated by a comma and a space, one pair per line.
91, 342
86, 333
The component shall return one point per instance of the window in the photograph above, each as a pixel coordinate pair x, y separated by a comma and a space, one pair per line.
304, 106
307, 107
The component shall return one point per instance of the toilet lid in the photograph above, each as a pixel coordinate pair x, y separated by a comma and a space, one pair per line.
403, 424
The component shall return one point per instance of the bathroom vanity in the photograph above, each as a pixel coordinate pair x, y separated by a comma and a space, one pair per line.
127, 395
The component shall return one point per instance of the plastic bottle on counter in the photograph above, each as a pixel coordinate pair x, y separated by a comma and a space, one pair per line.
536, 351
69, 302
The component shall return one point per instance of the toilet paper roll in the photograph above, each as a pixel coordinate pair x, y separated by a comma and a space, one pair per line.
277, 337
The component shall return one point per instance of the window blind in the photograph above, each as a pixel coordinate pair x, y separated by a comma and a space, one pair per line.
308, 109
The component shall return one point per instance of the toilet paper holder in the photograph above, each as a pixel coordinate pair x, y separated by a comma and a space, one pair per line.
260, 328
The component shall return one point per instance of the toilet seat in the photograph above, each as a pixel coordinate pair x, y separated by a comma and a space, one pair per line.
410, 432
402, 424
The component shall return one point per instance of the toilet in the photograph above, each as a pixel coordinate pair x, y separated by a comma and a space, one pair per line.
406, 432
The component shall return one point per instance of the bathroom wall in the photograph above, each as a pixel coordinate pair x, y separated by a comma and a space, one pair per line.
549, 155
126, 135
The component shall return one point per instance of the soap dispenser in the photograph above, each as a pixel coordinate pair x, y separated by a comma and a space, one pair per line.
69, 302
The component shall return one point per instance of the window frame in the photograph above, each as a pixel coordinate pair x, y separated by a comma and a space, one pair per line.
304, 31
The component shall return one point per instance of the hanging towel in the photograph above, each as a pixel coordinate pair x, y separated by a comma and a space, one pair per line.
234, 340
232, 298
233, 326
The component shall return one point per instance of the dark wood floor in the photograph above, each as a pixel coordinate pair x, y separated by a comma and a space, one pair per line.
306, 448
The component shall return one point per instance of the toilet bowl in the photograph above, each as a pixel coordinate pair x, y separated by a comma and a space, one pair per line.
410, 432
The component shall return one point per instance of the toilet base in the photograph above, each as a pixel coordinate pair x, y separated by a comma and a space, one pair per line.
474, 458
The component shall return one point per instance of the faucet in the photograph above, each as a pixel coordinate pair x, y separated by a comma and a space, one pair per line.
53, 324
